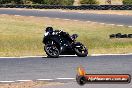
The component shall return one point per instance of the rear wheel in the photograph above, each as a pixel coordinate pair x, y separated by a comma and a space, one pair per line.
81, 50
52, 51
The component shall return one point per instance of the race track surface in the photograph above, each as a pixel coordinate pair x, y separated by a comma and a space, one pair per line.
63, 67
104, 18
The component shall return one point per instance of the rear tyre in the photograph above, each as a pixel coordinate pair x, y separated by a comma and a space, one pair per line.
81, 50
52, 51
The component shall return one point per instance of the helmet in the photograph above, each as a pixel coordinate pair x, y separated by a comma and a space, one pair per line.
74, 36
49, 29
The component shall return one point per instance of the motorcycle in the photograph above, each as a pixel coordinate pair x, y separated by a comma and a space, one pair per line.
58, 43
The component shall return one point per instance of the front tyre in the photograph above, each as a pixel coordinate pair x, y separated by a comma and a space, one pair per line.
51, 51
81, 50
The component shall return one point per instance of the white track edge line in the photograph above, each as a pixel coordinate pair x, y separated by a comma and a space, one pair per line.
44, 79
37, 80
34, 56
23, 80
7, 81
17, 15
68, 55
65, 78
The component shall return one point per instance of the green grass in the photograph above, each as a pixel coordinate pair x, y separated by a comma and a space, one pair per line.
22, 36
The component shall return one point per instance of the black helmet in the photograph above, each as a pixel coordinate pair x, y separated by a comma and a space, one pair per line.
49, 29
74, 36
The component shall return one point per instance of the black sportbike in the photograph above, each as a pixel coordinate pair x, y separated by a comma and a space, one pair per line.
58, 43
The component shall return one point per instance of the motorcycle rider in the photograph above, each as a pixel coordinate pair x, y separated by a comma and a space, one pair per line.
50, 30
58, 42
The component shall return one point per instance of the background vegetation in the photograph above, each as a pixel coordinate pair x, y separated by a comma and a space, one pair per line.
64, 2
127, 2
46, 2
89, 2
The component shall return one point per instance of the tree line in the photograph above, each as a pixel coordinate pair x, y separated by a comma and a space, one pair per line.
46, 2
56, 2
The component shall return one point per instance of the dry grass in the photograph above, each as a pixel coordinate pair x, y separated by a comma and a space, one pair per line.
114, 2
30, 84
22, 36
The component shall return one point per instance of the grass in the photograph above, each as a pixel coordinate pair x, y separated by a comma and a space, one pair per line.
115, 2
30, 84
22, 36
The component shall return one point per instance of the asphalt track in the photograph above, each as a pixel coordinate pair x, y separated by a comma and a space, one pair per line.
63, 67
103, 18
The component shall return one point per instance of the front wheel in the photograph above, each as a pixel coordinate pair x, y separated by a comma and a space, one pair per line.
51, 51
81, 50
